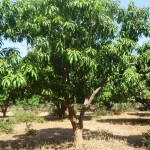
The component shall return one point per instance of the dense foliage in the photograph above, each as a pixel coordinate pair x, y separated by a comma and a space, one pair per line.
10, 78
77, 47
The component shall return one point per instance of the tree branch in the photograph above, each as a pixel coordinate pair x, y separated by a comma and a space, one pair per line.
92, 97
87, 104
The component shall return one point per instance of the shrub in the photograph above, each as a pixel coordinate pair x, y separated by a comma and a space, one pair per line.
101, 111
6, 126
27, 117
123, 107
146, 140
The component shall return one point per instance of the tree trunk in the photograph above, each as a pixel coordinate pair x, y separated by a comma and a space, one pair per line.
144, 102
78, 134
4, 109
77, 126
77, 122
4, 112
61, 110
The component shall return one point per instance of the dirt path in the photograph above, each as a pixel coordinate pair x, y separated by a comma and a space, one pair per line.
126, 129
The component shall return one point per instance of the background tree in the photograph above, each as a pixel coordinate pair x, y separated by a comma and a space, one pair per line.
11, 80
13, 71
133, 24
142, 91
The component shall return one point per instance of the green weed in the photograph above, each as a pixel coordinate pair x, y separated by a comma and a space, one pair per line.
6, 126
146, 140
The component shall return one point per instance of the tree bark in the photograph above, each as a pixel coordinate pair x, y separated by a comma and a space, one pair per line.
61, 110
77, 128
78, 134
4, 109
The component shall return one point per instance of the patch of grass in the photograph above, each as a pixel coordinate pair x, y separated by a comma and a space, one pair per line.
6, 126
27, 117
146, 140
123, 107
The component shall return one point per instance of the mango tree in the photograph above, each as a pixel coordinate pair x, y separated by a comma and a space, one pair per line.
135, 24
142, 92
10, 77
78, 47
13, 71
132, 83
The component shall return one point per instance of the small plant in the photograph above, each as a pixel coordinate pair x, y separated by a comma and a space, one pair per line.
146, 140
31, 132
27, 117
6, 126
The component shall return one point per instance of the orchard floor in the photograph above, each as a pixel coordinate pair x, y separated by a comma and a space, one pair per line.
53, 134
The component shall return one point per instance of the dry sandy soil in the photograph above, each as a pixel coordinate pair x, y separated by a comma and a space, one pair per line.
53, 134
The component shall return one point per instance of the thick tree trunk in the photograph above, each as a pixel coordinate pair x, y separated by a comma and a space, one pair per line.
4, 112
78, 135
77, 128
77, 122
144, 102
62, 111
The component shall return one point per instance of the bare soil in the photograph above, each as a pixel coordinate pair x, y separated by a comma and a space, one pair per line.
125, 130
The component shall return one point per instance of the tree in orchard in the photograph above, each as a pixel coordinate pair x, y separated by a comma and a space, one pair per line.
135, 24
13, 72
10, 77
77, 45
142, 92
134, 81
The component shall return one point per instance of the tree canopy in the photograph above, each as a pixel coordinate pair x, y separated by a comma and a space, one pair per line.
79, 48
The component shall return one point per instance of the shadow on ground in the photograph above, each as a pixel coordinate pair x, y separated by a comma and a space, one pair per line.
133, 121
56, 138
132, 140
140, 114
59, 138
1, 117
56, 118
51, 138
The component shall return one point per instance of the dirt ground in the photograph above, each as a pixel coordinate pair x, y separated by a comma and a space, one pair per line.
53, 134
